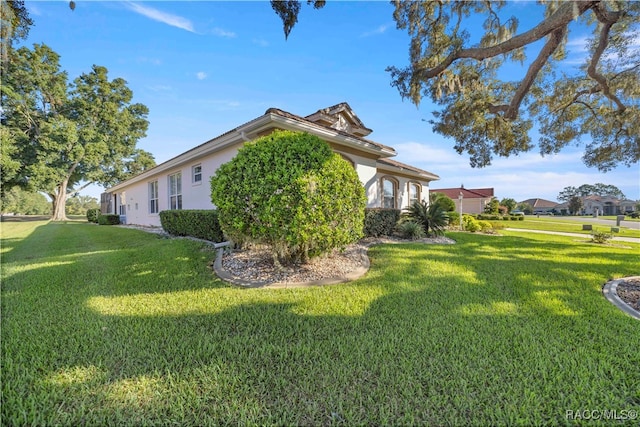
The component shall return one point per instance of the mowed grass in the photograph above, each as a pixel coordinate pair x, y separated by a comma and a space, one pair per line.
567, 225
111, 326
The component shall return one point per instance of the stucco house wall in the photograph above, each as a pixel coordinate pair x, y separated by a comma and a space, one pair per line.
337, 125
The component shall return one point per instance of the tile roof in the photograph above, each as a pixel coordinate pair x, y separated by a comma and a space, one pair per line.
305, 120
410, 168
540, 203
467, 193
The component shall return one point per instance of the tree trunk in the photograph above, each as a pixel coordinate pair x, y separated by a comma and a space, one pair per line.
60, 202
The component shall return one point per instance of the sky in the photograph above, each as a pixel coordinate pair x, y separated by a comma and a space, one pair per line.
204, 68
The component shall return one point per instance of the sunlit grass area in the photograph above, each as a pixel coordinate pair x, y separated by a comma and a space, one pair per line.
110, 326
567, 225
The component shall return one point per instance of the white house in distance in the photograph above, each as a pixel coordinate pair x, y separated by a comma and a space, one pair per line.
183, 181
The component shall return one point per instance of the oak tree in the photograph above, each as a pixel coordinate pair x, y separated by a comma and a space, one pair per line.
599, 189
488, 110
65, 134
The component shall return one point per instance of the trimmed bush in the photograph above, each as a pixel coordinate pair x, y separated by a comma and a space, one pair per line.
93, 214
108, 219
470, 223
380, 221
485, 226
202, 224
454, 218
290, 191
411, 230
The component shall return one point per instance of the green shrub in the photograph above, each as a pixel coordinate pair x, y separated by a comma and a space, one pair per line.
93, 214
202, 224
600, 237
454, 218
485, 226
515, 217
290, 191
108, 219
411, 230
469, 223
520, 217
446, 203
432, 218
380, 221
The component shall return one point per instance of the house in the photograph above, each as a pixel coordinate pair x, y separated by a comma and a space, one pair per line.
540, 206
473, 200
183, 181
601, 205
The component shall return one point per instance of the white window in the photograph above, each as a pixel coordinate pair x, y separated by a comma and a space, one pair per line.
153, 197
175, 191
196, 174
414, 193
388, 193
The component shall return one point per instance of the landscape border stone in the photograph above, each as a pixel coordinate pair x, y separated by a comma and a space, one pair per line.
610, 292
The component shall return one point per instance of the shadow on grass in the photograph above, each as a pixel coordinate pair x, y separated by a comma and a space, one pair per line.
432, 335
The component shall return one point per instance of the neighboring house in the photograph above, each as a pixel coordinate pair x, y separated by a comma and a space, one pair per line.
474, 200
183, 181
541, 206
602, 206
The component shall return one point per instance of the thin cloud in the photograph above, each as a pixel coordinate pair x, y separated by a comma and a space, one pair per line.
201, 75
380, 30
260, 42
159, 88
165, 18
223, 33
33, 10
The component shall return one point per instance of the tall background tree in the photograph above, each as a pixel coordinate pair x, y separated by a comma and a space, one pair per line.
68, 134
575, 204
509, 203
488, 114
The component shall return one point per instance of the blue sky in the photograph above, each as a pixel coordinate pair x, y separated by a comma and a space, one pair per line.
204, 68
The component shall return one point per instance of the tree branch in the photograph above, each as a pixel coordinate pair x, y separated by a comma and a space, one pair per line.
560, 18
608, 19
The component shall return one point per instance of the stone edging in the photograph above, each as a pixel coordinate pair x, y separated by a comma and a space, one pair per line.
610, 291
353, 275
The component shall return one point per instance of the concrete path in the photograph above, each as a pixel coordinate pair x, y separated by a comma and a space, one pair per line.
584, 236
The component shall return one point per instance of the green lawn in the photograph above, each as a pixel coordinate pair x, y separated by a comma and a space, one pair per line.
111, 326
566, 225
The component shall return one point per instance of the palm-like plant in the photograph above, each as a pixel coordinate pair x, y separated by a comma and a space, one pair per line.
432, 218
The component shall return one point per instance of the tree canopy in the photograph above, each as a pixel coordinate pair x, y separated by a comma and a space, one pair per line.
489, 113
63, 134
599, 189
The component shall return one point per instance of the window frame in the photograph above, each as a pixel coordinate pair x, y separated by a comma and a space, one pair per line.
394, 196
195, 174
153, 201
175, 199
418, 187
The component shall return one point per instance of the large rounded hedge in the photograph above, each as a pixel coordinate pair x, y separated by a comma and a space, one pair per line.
290, 191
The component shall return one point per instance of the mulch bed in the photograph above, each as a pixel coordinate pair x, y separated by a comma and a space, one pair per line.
629, 292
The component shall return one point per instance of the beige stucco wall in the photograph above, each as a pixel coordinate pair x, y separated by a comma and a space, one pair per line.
194, 195
198, 195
